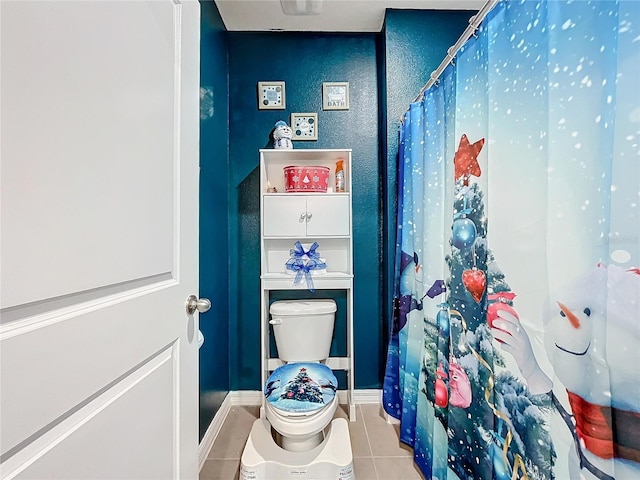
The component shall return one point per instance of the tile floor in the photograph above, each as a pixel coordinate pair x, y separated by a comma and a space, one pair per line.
377, 452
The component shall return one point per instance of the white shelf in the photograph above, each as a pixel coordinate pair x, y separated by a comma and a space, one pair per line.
302, 194
321, 277
335, 252
272, 168
328, 281
306, 217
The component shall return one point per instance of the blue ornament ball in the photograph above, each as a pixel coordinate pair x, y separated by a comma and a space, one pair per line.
443, 322
500, 470
464, 233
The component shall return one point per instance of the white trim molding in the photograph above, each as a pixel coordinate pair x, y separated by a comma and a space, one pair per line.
206, 444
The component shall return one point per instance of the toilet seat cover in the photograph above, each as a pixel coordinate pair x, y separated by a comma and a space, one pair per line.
301, 387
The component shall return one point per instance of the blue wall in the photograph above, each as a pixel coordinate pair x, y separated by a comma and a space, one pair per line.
407, 68
303, 62
214, 207
385, 72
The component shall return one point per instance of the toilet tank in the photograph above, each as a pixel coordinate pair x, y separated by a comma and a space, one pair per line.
303, 329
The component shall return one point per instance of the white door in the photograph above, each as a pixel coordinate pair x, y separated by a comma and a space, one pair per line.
99, 214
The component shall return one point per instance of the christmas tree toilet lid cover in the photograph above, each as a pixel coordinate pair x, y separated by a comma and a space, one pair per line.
301, 387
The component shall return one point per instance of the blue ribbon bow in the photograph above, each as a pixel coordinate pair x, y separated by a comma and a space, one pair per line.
298, 251
303, 269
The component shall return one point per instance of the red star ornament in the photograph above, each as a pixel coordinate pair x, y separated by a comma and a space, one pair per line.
466, 159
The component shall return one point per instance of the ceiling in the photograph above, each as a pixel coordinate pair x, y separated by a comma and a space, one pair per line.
334, 16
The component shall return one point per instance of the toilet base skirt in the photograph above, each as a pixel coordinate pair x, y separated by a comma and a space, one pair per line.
293, 444
263, 459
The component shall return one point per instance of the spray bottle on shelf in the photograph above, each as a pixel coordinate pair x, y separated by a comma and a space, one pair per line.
339, 176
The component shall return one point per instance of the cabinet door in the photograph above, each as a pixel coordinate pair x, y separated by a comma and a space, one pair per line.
328, 216
284, 216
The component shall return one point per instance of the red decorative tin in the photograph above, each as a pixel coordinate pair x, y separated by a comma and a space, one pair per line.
306, 179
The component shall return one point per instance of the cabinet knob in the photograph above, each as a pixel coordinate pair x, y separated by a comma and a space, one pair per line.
302, 218
309, 215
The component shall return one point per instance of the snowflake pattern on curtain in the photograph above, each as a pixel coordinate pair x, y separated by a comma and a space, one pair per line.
515, 340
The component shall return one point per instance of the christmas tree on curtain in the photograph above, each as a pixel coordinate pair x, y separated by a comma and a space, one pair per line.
492, 420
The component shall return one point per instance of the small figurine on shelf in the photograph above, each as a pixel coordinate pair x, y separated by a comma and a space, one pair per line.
271, 189
282, 134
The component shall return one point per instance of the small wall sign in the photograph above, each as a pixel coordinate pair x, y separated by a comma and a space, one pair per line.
335, 96
304, 126
271, 95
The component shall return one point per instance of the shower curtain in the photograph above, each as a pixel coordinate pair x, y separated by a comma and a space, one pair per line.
515, 338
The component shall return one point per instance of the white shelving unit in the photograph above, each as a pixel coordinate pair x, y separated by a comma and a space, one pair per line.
306, 217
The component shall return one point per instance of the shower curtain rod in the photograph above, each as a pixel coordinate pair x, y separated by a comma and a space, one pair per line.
474, 23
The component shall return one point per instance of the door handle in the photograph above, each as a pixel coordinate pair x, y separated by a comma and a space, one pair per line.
194, 303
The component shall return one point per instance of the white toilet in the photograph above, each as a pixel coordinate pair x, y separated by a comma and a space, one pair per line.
300, 401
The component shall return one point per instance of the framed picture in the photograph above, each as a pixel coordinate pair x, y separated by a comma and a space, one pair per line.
335, 96
304, 126
271, 95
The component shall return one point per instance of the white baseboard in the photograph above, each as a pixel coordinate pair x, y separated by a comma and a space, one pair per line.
246, 397
212, 431
362, 396
254, 397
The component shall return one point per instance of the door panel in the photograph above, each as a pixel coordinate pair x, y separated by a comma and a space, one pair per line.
74, 357
115, 416
89, 119
99, 192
